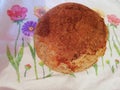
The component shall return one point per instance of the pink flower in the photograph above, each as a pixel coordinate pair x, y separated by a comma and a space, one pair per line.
27, 66
39, 12
113, 20
17, 13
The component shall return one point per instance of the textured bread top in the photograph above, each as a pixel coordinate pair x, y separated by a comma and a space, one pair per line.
71, 30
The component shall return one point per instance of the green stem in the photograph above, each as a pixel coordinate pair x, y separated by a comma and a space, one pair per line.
16, 41
25, 73
116, 65
87, 72
102, 62
111, 68
49, 75
96, 68
109, 42
43, 71
35, 69
110, 47
116, 36
96, 72
35, 66
18, 75
116, 47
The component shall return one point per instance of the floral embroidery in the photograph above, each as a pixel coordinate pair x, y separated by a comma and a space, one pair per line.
33, 53
17, 13
39, 12
42, 65
96, 68
113, 20
28, 28
27, 67
110, 66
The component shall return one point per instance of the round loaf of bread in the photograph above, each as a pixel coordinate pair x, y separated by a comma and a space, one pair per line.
70, 38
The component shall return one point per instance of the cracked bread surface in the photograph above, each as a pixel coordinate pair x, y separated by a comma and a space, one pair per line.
70, 38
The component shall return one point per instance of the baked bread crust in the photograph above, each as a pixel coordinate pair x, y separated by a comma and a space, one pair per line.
70, 37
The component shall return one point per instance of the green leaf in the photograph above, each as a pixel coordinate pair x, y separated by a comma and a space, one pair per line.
27, 67
113, 69
110, 47
32, 50
116, 47
41, 63
96, 68
49, 75
107, 62
72, 74
20, 53
10, 57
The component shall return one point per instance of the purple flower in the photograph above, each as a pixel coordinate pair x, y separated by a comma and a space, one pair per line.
28, 28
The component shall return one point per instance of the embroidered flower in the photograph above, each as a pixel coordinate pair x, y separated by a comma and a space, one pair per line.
17, 13
27, 66
39, 12
113, 20
28, 28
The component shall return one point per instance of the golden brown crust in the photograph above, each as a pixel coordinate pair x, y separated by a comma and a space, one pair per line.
68, 32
